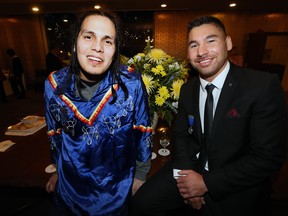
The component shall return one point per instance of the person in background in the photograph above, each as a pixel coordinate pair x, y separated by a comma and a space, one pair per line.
247, 141
98, 128
53, 61
16, 76
2, 90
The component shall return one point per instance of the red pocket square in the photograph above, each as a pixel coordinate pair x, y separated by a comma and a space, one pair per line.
233, 113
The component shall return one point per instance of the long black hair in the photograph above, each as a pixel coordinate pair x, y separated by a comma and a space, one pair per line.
75, 67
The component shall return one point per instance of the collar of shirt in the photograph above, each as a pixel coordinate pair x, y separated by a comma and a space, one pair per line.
218, 82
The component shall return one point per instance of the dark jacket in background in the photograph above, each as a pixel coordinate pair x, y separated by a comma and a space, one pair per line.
52, 62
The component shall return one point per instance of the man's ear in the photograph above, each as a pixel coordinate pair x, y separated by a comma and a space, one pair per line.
229, 43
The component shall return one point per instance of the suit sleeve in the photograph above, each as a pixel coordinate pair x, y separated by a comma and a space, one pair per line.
184, 144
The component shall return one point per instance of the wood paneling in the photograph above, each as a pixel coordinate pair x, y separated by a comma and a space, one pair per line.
24, 35
170, 32
171, 28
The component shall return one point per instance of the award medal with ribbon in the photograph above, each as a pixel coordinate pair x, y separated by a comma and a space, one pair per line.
191, 123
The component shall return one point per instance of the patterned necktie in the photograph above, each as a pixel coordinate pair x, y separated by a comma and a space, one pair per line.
208, 119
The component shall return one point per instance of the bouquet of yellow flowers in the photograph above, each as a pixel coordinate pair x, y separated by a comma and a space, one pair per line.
163, 77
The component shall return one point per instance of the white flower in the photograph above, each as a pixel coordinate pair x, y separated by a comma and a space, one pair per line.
130, 61
175, 104
138, 57
174, 66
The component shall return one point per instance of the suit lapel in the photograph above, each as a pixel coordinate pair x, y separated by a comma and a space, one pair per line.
225, 96
195, 108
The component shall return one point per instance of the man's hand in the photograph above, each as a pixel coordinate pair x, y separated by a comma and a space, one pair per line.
191, 184
50, 186
136, 185
195, 202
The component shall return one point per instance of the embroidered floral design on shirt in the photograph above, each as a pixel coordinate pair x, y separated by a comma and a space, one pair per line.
124, 107
55, 109
52, 144
90, 133
69, 125
149, 142
61, 115
112, 122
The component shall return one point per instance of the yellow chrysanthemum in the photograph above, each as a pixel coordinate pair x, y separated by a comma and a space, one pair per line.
159, 69
163, 77
175, 88
159, 100
163, 92
149, 83
163, 73
155, 71
156, 56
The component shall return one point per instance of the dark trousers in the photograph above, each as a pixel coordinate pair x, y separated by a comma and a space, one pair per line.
17, 86
14, 86
159, 196
58, 209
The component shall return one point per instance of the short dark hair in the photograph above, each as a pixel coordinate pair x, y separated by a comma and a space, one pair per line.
10, 52
206, 20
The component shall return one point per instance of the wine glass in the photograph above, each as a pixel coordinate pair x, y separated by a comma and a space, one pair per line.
164, 142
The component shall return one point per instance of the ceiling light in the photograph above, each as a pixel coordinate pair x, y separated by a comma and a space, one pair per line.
97, 7
163, 5
232, 5
35, 9
65, 20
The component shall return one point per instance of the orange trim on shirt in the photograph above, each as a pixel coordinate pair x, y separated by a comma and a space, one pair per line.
73, 107
53, 132
130, 69
52, 80
142, 128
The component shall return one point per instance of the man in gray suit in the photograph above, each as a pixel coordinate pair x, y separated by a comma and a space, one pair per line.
228, 171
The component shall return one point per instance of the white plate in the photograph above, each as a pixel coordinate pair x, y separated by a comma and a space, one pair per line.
153, 155
164, 152
29, 119
50, 168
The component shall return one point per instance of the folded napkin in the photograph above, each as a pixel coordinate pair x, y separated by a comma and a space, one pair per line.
4, 145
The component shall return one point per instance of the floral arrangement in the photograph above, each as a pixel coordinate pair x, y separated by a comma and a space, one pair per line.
163, 77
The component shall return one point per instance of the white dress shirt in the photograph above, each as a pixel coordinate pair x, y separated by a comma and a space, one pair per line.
218, 82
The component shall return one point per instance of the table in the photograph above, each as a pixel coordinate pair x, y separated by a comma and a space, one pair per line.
159, 161
23, 164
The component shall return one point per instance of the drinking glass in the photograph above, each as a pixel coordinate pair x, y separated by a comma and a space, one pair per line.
164, 142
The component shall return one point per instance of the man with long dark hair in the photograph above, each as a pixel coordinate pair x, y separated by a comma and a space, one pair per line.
98, 127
